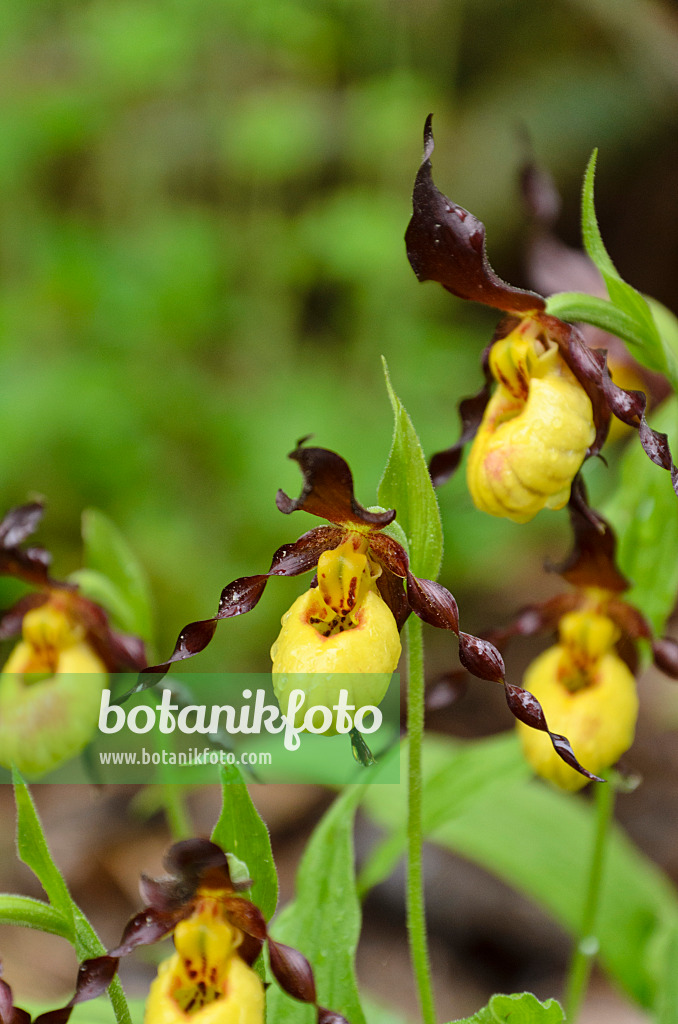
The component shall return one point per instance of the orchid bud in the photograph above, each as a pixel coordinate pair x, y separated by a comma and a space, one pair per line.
206, 981
338, 635
588, 693
50, 692
535, 432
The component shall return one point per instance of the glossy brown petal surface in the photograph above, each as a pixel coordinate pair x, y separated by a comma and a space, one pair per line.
292, 971
446, 243
592, 561
527, 709
665, 655
240, 597
433, 603
481, 658
330, 1017
328, 490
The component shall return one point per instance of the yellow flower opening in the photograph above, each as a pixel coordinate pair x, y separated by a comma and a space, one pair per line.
50, 691
342, 628
206, 981
587, 693
536, 430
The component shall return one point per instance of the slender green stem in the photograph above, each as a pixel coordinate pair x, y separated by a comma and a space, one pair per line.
416, 919
587, 946
116, 994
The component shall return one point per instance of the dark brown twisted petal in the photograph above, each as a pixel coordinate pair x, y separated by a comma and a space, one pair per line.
433, 603
246, 916
528, 710
446, 243
330, 1017
148, 926
392, 591
481, 658
631, 621
665, 655
591, 370
20, 523
328, 490
592, 561
389, 553
587, 364
94, 977
471, 411
292, 971
11, 620
240, 597
9, 1013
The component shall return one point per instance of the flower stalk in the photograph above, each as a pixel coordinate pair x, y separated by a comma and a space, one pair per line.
416, 915
587, 946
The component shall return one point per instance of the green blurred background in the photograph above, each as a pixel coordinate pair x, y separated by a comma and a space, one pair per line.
202, 207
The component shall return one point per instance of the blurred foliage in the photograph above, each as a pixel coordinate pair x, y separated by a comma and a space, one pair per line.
201, 217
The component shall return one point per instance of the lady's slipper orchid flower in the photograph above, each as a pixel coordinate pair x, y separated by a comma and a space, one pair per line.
50, 686
585, 683
367, 588
512, 468
218, 934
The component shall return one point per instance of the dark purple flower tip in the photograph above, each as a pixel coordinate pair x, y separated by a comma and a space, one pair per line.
328, 490
446, 243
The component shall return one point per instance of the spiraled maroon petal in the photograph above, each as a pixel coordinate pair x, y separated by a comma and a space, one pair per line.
246, 916
630, 407
390, 553
587, 365
330, 1017
631, 621
328, 490
20, 523
433, 603
446, 243
240, 597
292, 971
94, 977
527, 709
665, 655
392, 591
11, 620
481, 658
149, 925
592, 561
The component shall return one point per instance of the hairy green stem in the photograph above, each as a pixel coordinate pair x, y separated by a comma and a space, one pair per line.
116, 994
416, 919
587, 946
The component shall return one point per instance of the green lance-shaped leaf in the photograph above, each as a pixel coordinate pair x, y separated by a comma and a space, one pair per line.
650, 331
519, 1008
107, 553
643, 514
31, 913
406, 486
503, 830
667, 995
34, 852
241, 831
324, 919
